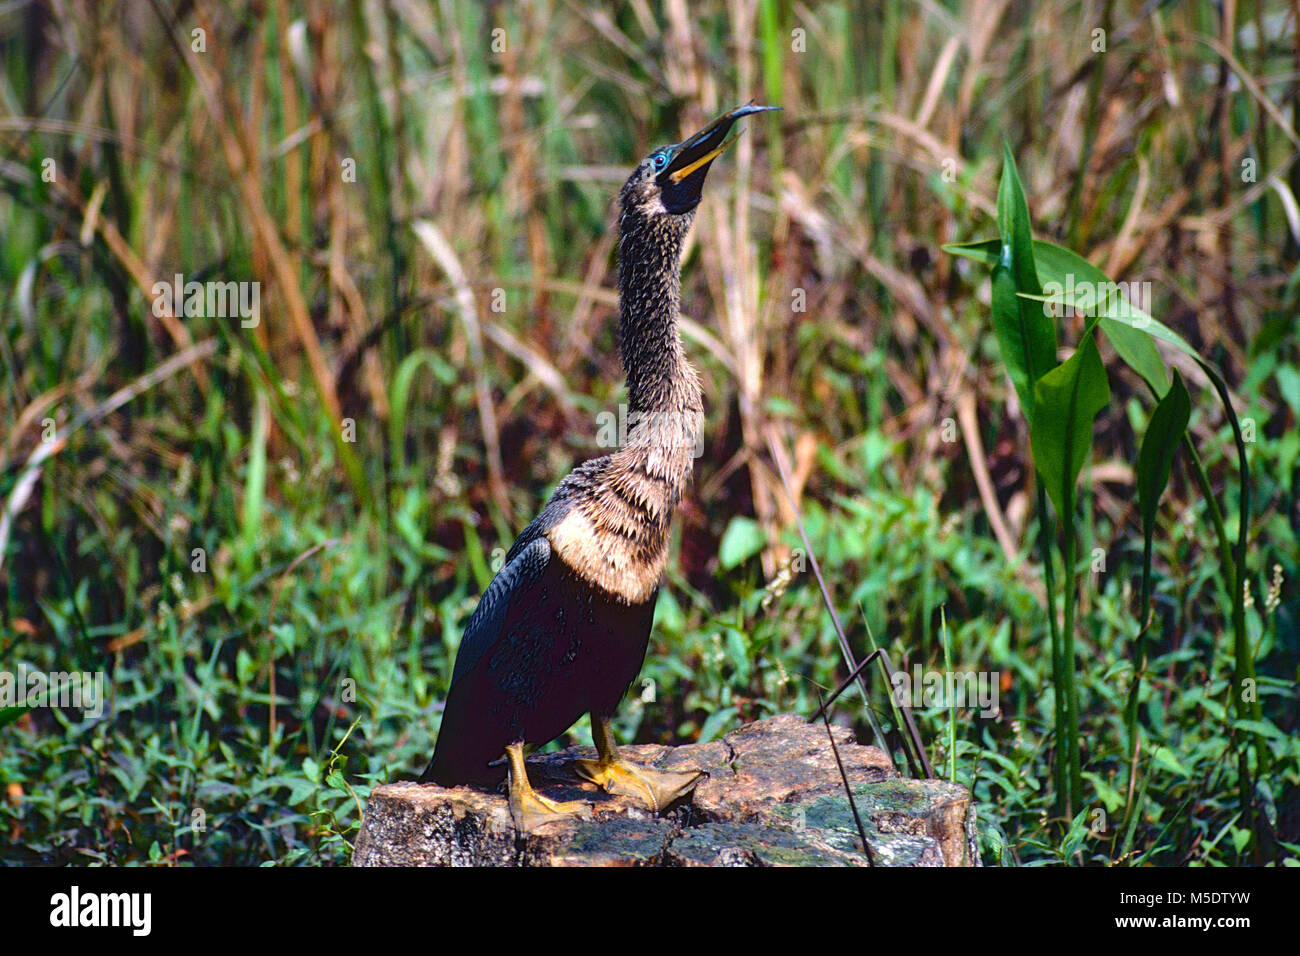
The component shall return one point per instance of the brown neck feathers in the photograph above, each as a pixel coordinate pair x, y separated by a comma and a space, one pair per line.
616, 533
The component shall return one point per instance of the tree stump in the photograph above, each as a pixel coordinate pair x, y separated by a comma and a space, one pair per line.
773, 797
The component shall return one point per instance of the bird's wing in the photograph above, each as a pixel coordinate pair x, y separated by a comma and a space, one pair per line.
485, 624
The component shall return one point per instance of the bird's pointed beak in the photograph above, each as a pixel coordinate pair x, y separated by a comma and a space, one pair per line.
683, 177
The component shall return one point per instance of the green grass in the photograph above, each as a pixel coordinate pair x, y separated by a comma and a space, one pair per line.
265, 694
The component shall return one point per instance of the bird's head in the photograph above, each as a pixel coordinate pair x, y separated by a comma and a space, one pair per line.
670, 180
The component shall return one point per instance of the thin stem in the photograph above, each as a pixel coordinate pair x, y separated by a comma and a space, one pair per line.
1049, 576
1070, 594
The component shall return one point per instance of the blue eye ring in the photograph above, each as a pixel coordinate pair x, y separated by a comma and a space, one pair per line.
660, 160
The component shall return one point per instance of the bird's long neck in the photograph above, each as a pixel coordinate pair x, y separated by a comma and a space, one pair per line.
615, 532
659, 378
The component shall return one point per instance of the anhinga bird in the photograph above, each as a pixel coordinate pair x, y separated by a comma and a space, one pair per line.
563, 628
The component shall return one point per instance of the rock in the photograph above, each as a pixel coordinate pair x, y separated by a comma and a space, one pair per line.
773, 797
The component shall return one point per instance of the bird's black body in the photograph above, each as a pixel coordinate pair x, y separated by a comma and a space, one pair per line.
563, 628
556, 648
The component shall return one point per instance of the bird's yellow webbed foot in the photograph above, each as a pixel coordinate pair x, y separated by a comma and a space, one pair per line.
657, 789
529, 808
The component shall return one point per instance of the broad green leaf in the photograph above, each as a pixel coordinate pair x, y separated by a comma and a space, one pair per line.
741, 541
1166, 758
1126, 313
1014, 226
1090, 285
1068, 398
1139, 353
1288, 383
1109, 796
1026, 334
300, 791
1128, 327
1264, 728
1055, 265
716, 723
1013, 337
1077, 835
1163, 436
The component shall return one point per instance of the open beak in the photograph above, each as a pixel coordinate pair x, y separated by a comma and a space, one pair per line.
682, 180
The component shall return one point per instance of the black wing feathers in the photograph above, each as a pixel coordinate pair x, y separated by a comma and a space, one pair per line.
484, 627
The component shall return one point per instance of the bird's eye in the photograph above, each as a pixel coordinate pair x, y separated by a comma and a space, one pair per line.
660, 160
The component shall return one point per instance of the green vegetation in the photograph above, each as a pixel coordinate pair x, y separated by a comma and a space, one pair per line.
271, 544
